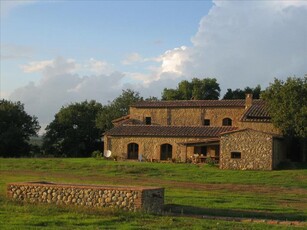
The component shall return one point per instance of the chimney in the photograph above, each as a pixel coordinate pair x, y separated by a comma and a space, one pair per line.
248, 100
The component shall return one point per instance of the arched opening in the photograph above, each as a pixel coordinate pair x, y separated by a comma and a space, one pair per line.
227, 122
166, 152
133, 151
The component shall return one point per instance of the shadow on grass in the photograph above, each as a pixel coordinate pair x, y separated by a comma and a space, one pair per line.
191, 210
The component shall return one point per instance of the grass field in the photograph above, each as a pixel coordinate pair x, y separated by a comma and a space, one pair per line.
191, 192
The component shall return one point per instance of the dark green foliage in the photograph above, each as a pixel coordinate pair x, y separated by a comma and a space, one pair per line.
73, 132
240, 94
287, 103
97, 154
16, 128
197, 89
117, 108
151, 98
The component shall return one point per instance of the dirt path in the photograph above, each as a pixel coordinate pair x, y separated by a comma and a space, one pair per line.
247, 220
158, 182
145, 181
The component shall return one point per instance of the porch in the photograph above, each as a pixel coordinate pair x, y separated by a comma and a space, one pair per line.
202, 151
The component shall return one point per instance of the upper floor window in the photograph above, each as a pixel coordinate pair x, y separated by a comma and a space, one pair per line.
148, 120
206, 122
227, 122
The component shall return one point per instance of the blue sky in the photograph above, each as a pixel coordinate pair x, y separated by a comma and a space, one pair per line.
104, 30
57, 52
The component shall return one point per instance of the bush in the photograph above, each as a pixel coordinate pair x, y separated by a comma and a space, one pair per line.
210, 161
97, 154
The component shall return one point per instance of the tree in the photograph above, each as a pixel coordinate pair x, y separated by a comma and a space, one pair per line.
185, 89
240, 94
117, 108
151, 98
73, 131
16, 128
197, 89
287, 104
171, 94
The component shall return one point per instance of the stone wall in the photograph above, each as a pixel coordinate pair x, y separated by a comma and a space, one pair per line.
261, 126
216, 115
150, 147
256, 150
149, 199
187, 116
159, 116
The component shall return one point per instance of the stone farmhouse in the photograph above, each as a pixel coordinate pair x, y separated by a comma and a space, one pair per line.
237, 134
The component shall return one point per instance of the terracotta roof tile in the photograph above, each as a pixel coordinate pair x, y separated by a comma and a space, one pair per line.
253, 130
169, 131
191, 103
257, 112
121, 119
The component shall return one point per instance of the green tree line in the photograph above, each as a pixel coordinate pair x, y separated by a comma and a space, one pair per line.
76, 130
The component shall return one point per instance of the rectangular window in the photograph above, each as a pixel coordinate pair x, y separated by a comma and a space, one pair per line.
148, 120
235, 155
206, 122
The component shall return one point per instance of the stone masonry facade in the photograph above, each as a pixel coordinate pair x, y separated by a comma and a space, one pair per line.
150, 147
248, 149
187, 116
150, 199
142, 133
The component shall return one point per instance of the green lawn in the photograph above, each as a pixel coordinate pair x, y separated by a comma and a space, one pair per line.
191, 191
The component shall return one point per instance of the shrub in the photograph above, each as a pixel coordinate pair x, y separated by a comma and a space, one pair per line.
97, 154
210, 161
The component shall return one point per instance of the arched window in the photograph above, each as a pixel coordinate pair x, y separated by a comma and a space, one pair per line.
133, 151
227, 122
166, 152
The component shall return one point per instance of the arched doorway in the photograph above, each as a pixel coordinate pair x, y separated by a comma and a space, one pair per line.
166, 152
133, 151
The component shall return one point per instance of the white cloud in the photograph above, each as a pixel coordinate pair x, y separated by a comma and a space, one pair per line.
246, 43
4, 95
135, 58
14, 51
172, 60
36, 66
290, 3
7, 6
60, 86
91, 66
98, 67
132, 58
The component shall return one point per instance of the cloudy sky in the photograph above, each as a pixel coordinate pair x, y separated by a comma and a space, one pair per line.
57, 52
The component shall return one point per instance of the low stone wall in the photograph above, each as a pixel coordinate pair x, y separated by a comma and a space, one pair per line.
149, 199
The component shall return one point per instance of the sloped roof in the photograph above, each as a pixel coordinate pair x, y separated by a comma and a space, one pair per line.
253, 130
121, 119
257, 112
204, 142
191, 103
126, 120
168, 131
